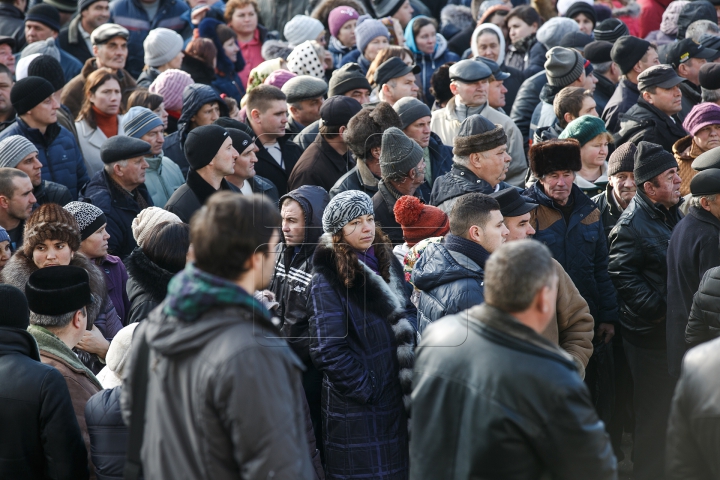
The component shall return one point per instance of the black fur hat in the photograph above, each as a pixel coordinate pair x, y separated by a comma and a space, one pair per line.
555, 155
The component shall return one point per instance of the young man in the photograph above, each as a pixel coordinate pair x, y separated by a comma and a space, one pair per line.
570, 103
244, 176
75, 37
16, 203
687, 57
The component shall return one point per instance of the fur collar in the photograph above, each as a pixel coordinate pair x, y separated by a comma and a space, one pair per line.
149, 276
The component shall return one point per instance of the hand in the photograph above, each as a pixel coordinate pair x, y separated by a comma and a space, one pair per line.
197, 15
93, 341
607, 329
328, 63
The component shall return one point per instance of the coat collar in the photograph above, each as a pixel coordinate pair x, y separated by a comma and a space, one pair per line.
656, 211
704, 216
201, 188
15, 340
120, 199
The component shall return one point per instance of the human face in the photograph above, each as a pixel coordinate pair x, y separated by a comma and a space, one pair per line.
224, 159
162, 113
691, 69
112, 54
488, 46
207, 114
623, 185
346, 35
5, 253
519, 29
404, 87
45, 113
426, 40
272, 121
372, 49
362, 95
244, 21
52, 253
420, 131
558, 185
20, 205
95, 15
590, 82
493, 164
493, 234
496, 94
245, 163
594, 153
293, 223
668, 100
519, 228
5, 87
96, 245
586, 25
156, 139
588, 107
472, 94
107, 97
359, 232
7, 58
231, 48
32, 167
667, 190
36, 31
309, 111
133, 174
404, 15
707, 137
649, 60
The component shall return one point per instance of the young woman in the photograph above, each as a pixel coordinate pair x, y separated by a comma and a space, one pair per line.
99, 118
371, 37
229, 58
200, 60
522, 24
309, 58
594, 139
364, 349
342, 22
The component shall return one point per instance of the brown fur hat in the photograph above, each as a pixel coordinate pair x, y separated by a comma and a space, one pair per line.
364, 130
50, 222
555, 155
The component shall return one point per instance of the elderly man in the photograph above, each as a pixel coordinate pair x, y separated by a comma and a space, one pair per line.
638, 269
686, 57
469, 83
480, 163
395, 80
305, 96
119, 189
621, 187
710, 82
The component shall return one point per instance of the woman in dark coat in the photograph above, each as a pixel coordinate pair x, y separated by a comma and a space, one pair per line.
364, 348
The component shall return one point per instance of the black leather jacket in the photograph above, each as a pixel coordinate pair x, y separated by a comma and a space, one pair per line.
704, 321
609, 210
645, 122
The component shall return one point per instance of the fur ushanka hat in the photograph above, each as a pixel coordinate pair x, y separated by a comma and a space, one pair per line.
555, 155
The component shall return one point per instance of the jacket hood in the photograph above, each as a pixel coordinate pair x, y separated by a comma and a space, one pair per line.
496, 30
206, 29
440, 41
437, 267
148, 275
194, 97
312, 200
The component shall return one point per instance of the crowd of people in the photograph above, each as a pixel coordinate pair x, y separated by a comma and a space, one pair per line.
354, 239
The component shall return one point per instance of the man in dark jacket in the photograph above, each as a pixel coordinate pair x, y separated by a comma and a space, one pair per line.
557, 436
16, 204
211, 342
119, 190
638, 269
40, 433
75, 37
244, 176
12, 20
686, 57
305, 96
42, 22
693, 250
654, 117
606, 72
621, 186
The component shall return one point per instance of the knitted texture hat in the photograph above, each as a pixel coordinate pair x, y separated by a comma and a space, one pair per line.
302, 28
563, 6
555, 155
339, 16
584, 129
368, 29
58, 290
15, 307
45, 14
83, 4
386, 8
50, 222
48, 68
478, 134
669, 25
43, 47
411, 109
4, 236
89, 217
701, 115
21, 67
140, 120
598, 52
622, 159
304, 87
14, 149
170, 84
161, 46
304, 60
279, 78
346, 78
710, 76
650, 161
147, 219
28, 93
628, 51
581, 7
260, 73
343, 208
419, 221
563, 66
610, 30
398, 154
552, 31
203, 143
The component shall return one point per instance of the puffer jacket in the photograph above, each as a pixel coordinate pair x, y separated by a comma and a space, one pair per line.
146, 286
645, 122
131, 15
51, 192
162, 178
457, 182
59, 153
704, 321
638, 269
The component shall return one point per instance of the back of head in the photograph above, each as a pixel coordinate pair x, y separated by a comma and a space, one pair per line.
364, 130
167, 244
569, 100
202, 49
15, 308
693, 11
471, 209
147, 219
55, 294
700, 27
143, 98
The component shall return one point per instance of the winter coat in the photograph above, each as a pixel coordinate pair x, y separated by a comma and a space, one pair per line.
269, 169
308, 135
692, 441
591, 189
116, 278
293, 272
192, 195
530, 431
12, 24
446, 124
518, 54
40, 435
146, 285
227, 81
131, 15
71, 66
580, 246
691, 96
320, 165
461, 40
338, 51
59, 153
527, 99
645, 122
704, 321
162, 178
638, 269
263, 186
91, 141
200, 71
51, 192
147, 76
694, 249
686, 151
358, 178
71, 41
364, 351
604, 90
384, 208
119, 208
457, 182
543, 134
624, 97
356, 57
609, 209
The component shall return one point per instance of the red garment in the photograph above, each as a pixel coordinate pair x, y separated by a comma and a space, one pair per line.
107, 123
252, 53
651, 15
174, 114
630, 22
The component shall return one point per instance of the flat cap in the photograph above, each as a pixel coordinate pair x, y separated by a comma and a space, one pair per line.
598, 51
706, 182
709, 159
393, 68
104, 33
710, 76
338, 110
120, 147
469, 71
683, 50
494, 68
304, 87
662, 76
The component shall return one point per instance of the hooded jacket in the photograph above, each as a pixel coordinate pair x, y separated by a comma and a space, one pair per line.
146, 286
227, 80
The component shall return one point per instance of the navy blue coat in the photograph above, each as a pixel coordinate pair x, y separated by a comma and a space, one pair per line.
58, 151
356, 57
458, 181
441, 161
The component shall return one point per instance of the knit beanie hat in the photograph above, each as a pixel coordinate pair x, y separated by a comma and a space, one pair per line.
552, 31
140, 120
339, 16
598, 52
411, 109
161, 46
398, 154
14, 149
50, 222
669, 23
21, 67
89, 217
346, 78
610, 30
581, 7
584, 129
203, 143
279, 78
302, 28
563, 6
701, 115
650, 161
16, 313
48, 68
43, 47
344, 207
116, 358
555, 155
45, 14
478, 134
170, 84
386, 8
83, 4
147, 219
28, 93
304, 60
628, 51
419, 221
563, 66
622, 159
368, 29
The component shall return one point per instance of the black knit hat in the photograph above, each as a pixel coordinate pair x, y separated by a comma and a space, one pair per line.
227, 122
202, 144
58, 290
478, 134
598, 51
650, 161
29, 92
628, 51
622, 159
610, 30
15, 308
45, 14
240, 139
584, 8
555, 155
346, 78
48, 68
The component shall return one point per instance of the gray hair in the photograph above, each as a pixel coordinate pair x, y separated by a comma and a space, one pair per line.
695, 201
712, 96
53, 321
515, 273
603, 67
109, 167
699, 27
461, 160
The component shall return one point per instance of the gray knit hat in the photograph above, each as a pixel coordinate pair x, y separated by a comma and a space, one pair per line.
301, 28
161, 46
410, 109
343, 208
398, 154
478, 134
563, 66
13, 149
552, 31
304, 87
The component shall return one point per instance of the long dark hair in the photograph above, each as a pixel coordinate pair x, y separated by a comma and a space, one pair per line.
347, 263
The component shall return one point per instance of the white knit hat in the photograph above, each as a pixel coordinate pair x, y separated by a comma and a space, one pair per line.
14, 149
302, 28
148, 218
161, 46
116, 357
